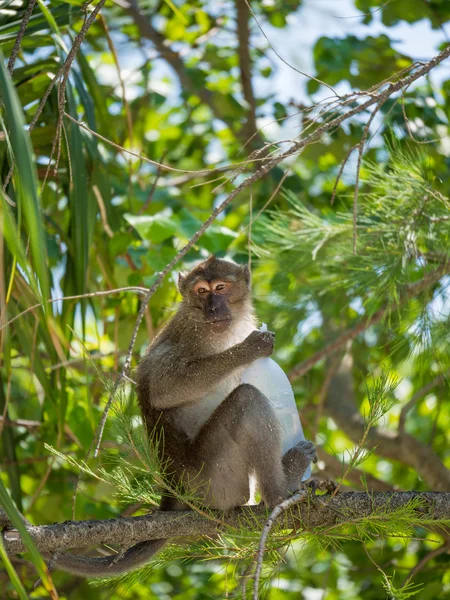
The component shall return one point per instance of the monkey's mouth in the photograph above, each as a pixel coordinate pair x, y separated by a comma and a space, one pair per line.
219, 325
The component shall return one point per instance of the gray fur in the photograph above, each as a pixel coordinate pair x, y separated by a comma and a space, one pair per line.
217, 432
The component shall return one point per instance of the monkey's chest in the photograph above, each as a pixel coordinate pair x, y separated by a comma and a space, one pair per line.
191, 419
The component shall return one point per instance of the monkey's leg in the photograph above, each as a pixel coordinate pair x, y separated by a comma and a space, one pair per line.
296, 461
242, 436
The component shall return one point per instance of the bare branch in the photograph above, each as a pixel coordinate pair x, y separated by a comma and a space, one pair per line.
21, 33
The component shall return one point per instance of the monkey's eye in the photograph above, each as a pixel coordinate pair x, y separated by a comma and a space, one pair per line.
220, 286
202, 290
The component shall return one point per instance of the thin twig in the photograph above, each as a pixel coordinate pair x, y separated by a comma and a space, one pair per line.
21, 33
154, 186
4, 417
408, 126
277, 511
19, 423
358, 167
323, 393
275, 192
137, 290
245, 67
126, 104
64, 69
282, 59
102, 208
249, 246
157, 164
341, 170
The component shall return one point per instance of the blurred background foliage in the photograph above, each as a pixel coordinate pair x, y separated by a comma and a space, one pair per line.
170, 82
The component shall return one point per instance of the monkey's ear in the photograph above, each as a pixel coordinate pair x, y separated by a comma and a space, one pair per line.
246, 274
181, 283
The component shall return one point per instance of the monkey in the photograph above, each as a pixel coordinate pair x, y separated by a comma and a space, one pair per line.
217, 432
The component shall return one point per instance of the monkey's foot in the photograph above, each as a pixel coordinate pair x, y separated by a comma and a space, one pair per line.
296, 461
308, 449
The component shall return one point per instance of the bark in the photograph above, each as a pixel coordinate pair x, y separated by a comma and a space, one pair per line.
125, 532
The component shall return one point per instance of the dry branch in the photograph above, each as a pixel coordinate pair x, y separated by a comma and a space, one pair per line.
126, 531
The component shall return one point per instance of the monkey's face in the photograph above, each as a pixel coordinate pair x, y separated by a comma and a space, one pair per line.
217, 288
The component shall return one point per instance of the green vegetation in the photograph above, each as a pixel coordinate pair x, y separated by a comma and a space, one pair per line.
157, 117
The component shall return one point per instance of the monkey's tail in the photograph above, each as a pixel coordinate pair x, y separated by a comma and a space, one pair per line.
108, 566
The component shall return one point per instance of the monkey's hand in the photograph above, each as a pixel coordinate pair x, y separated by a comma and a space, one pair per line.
259, 344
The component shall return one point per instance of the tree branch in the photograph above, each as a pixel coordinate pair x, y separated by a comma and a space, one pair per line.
426, 389
20, 34
245, 65
172, 57
170, 525
352, 333
267, 165
341, 406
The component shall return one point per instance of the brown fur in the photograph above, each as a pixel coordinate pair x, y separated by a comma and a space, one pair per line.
216, 431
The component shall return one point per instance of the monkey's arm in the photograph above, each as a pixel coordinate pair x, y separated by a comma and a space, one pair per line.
185, 380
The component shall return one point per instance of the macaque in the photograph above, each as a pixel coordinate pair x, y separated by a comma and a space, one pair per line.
216, 431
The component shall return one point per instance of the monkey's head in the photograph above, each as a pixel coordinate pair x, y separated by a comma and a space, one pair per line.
219, 289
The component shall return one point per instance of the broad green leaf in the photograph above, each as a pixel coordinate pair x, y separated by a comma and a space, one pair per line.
155, 228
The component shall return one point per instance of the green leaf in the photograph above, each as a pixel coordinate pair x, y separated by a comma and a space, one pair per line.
155, 228
12, 573
25, 178
16, 519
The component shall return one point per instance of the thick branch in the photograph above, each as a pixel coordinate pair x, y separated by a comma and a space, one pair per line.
172, 57
348, 336
245, 66
341, 406
125, 532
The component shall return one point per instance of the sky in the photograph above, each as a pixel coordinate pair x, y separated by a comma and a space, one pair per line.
338, 18
294, 43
